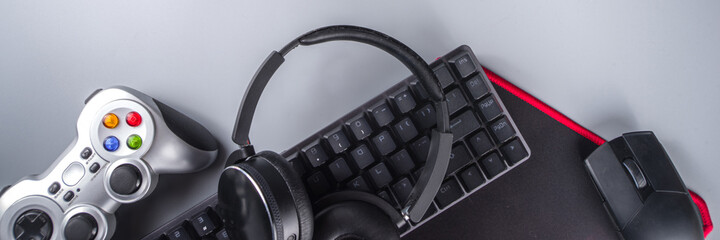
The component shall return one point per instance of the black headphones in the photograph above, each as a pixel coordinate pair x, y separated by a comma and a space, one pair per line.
261, 197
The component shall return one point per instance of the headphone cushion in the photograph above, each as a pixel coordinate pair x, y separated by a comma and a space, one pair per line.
354, 220
297, 190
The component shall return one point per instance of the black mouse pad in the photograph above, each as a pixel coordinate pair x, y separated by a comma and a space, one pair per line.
550, 196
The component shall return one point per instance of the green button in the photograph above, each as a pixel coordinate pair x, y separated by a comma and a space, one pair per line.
134, 142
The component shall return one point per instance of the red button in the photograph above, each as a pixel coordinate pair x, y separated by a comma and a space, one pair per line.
133, 119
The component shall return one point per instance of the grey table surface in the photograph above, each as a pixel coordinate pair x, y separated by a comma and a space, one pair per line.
612, 66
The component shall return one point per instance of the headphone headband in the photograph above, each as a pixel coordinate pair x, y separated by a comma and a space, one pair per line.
431, 177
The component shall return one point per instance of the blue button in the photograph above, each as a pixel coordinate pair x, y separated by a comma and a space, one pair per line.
111, 143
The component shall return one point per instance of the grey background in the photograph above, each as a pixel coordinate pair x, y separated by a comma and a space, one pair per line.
612, 66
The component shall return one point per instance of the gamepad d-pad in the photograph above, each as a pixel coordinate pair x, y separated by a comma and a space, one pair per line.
125, 139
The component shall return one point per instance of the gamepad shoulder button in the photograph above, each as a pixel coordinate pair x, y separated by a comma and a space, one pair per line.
125, 179
82, 226
33, 224
5, 189
92, 95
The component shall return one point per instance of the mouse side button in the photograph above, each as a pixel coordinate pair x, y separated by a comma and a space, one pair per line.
654, 162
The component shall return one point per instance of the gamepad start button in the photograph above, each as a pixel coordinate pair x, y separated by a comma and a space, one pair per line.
69, 195
110, 120
111, 143
94, 167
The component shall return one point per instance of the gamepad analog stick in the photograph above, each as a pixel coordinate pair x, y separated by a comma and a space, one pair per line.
81, 227
125, 179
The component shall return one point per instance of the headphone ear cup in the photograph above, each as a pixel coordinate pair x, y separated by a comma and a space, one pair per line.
355, 215
354, 220
297, 190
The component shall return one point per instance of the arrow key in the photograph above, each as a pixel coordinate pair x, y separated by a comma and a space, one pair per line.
514, 151
471, 177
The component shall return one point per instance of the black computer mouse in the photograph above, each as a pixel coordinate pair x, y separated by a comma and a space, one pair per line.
641, 190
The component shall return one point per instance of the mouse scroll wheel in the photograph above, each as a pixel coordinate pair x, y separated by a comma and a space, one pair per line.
635, 172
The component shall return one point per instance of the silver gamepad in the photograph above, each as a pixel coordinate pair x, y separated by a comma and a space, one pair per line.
125, 139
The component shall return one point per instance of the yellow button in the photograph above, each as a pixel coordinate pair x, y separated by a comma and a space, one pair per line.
110, 120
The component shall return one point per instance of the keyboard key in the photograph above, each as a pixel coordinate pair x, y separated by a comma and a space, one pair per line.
386, 196
222, 235
362, 156
419, 90
431, 210
406, 130
448, 193
502, 130
380, 175
402, 190
358, 184
203, 224
418, 172
444, 76
425, 116
318, 184
489, 108
514, 151
463, 125
315, 154
403, 101
340, 170
384, 143
338, 141
464, 65
179, 233
459, 157
382, 115
360, 128
455, 100
481, 143
402, 162
161, 237
493, 165
471, 177
476, 87
420, 148
297, 164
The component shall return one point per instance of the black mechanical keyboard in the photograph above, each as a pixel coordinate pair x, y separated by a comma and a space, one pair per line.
381, 147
